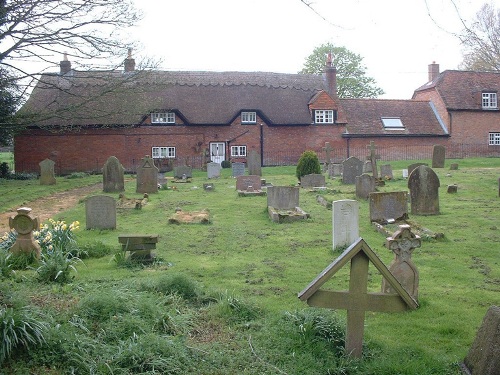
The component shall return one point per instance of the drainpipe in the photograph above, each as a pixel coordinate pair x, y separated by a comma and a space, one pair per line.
261, 144
347, 147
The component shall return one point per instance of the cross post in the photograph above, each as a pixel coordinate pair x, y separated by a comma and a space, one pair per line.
373, 158
327, 150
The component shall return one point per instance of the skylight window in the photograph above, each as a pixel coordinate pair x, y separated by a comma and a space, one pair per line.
392, 123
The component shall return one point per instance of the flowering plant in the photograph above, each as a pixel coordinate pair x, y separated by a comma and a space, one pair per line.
56, 234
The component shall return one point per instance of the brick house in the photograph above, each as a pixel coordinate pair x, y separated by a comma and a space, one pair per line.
79, 119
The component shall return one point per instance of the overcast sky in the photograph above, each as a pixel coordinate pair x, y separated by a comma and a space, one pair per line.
397, 39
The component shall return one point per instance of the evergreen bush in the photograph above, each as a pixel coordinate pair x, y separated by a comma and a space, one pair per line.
308, 164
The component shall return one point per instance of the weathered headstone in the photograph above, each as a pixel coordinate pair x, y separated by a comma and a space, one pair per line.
388, 207
386, 172
452, 189
367, 167
254, 163
412, 167
345, 222
405, 173
483, 357
24, 224
183, 172
334, 170
365, 184
328, 149
402, 243
139, 246
312, 180
424, 191
100, 212
113, 180
438, 156
47, 175
453, 167
373, 158
213, 170
238, 169
283, 197
147, 176
249, 185
351, 168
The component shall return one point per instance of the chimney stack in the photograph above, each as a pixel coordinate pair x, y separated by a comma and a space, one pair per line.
129, 62
65, 64
331, 76
433, 71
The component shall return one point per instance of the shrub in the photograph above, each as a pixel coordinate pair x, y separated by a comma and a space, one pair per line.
4, 170
5, 264
24, 176
308, 164
225, 164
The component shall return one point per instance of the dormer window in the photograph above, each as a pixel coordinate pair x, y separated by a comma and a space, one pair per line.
490, 100
324, 116
248, 117
392, 123
163, 118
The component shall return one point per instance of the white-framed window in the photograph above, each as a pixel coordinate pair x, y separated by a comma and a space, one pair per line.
163, 118
392, 123
494, 139
248, 117
324, 116
163, 152
238, 150
490, 100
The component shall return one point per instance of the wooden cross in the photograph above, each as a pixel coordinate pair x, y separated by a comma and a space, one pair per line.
357, 300
373, 158
327, 150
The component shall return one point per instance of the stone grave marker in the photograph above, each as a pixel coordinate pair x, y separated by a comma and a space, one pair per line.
47, 175
405, 173
254, 163
388, 207
312, 180
365, 184
24, 224
113, 180
283, 197
386, 172
424, 191
238, 169
139, 246
334, 170
402, 243
183, 172
483, 357
367, 167
453, 167
345, 222
100, 212
327, 149
412, 167
213, 170
438, 156
249, 185
147, 176
452, 189
351, 168
373, 157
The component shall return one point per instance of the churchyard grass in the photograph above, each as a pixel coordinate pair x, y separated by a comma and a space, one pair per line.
235, 281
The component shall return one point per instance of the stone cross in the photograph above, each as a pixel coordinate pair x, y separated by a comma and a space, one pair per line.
24, 224
327, 150
373, 158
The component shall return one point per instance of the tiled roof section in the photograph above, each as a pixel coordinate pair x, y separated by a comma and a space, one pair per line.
462, 89
364, 116
114, 98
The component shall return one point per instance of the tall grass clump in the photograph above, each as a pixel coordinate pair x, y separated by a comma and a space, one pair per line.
56, 265
308, 164
178, 284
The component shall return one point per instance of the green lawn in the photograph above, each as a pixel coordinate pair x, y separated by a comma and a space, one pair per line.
246, 317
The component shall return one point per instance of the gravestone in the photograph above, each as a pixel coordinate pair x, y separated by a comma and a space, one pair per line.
249, 185
351, 168
483, 357
112, 176
24, 224
402, 243
183, 172
365, 184
213, 170
438, 156
405, 173
238, 169
386, 172
345, 222
328, 149
283, 197
424, 191
334, 170
254, 163
312, 180
453, 167
388, 207
139, 246
147, 176
47, 175
412, 167
367, 167
100, 212
373, 157
452, 189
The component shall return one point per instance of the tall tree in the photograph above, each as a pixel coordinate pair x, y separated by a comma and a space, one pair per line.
481, 41
352, 81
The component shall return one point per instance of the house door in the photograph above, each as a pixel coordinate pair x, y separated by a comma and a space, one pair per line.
218, 152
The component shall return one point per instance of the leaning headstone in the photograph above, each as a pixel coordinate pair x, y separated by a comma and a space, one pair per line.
483, 357
100, 212
47, 175
412, 167
365, 184
386, 172
113, 180
283, 197
388, 207
351, 168
424, 191
438, 156
213, 170
183, 172
147, 176
312, 180
24, 224
345, 222
254, 163
238, 169
453, 167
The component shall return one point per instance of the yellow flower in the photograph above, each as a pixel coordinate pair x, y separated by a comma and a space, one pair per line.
64, 226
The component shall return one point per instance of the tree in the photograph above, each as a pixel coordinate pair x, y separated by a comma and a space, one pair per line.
482, 41
352, 81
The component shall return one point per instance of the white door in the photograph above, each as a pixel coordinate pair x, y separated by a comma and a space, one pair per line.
218, 152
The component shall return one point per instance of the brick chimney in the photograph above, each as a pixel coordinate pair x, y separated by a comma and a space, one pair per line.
129, 62
433, 71
65, 64
331, 76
